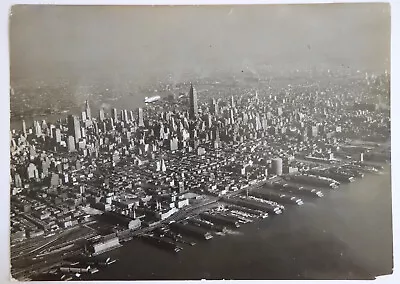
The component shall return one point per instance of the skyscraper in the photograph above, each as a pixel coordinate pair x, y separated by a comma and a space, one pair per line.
71, 144
87, 110
231, 116
126, 115
163, 167
37, 128
217, 140
193, 111
74, 127
140, 118
57, 135
51, 133
277, 166
114, 114
101, 114
214, 106
24, 127
173, 143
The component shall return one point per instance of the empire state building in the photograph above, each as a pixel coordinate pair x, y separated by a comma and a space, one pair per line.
193, 111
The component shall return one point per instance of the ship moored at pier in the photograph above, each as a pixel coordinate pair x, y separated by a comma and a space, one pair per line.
220, 219
191, 230
253, 204
315, 180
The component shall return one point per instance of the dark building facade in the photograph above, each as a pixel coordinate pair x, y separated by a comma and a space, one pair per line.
193, 111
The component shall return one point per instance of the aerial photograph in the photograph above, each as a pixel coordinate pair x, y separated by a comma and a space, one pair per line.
244, 142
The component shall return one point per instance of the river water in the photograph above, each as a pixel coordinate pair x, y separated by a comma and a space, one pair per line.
345, 235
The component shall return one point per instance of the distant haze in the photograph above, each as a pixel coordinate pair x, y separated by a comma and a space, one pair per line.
144, 43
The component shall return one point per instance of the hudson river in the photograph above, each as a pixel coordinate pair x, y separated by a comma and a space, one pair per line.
347, 234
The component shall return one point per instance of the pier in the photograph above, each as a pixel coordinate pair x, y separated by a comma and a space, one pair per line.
253, 204
223, 220
290, 199
207, 225
191, 230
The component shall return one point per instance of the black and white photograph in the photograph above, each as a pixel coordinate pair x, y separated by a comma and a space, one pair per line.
190, 142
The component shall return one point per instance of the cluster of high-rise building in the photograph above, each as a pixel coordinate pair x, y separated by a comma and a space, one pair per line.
146, 163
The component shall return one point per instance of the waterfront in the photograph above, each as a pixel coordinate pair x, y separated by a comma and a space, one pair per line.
108, 185
345, 235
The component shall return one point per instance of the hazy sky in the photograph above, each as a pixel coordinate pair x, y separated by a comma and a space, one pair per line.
96, 41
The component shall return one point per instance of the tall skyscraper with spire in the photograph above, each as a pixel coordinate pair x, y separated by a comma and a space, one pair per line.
193, 111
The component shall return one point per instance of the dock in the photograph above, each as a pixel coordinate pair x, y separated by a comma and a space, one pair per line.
285, 198
252, 204
191, 230
219, 219
207, 225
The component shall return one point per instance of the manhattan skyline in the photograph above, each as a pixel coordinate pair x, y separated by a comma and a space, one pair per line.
200, 142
